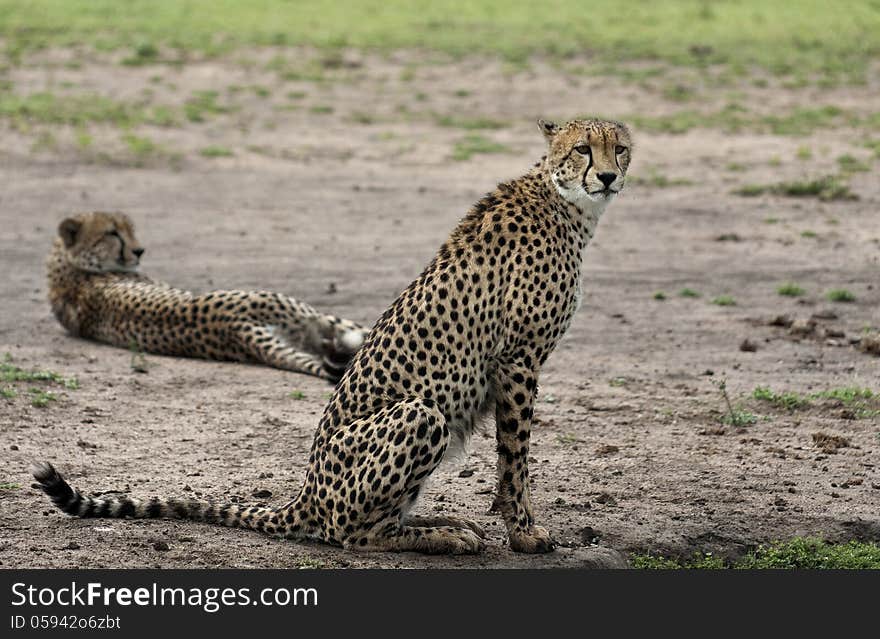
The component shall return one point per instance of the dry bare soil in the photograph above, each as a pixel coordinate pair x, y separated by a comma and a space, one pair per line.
338, 190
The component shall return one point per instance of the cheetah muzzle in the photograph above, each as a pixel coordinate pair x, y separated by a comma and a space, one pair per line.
466, 339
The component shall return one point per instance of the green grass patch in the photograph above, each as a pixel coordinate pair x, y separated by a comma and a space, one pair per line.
826, 188
790, 289
41, 398
143, 53
202, 105
688, 292
297, 395
10, 373
471, 145
658, 180
470, 124
850, 164
841, 295
846, 394
4, 485
74, 110
802, 39
724, 300
660, 295
798, 553
787, 400
216, 152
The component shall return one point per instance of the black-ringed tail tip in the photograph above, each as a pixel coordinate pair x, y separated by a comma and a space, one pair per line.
71, 501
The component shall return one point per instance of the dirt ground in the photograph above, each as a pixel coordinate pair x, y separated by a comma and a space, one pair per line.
343, 210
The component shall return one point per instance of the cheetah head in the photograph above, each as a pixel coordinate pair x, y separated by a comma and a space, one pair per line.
100, 242
587, 160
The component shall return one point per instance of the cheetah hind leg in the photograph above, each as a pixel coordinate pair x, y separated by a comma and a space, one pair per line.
409, 439
265, 346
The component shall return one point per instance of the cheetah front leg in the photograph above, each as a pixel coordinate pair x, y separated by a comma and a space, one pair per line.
515, 388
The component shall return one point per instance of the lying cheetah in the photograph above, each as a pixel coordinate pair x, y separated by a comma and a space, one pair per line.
96, 292
466, 339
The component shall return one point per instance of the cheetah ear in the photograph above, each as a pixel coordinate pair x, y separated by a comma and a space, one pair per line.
549, 129
68, 230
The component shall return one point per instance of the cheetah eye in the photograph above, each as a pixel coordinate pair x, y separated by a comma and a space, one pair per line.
112, 233
619, 149
583, 149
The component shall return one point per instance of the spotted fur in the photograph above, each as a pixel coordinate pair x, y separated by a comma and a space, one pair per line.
96, 292
466, 339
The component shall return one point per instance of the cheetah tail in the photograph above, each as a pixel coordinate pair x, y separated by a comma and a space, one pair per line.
72, 502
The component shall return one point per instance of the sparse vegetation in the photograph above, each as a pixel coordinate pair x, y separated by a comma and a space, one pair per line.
215, 151
297, 394
202, 105
469, 123
9, 486
850, 164
724, 300
787, 400
825, 188
660, 295
40, 398
790, 289
841, 295
138, 362
10, 373
472, 145
736, 416
798, 553
688, 292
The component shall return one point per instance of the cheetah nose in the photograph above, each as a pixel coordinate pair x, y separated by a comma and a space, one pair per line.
607, 179
138, 252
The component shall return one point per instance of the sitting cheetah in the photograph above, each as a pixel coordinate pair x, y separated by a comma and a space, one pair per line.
465, 339
96, 291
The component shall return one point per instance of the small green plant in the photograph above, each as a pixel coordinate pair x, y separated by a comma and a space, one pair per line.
660, 295
789, 401
618, 381
735, 416
567, 439
841, 295
8, 393
790, 289
203, 104
850, 164
9, 486
144, 53
724, 300
10, 373
804, 153
771, 220
688, 292
471, 145
142, 148
41, 398
297, 395
216, 152
808, 234
138, 362
321, 109
846, 394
